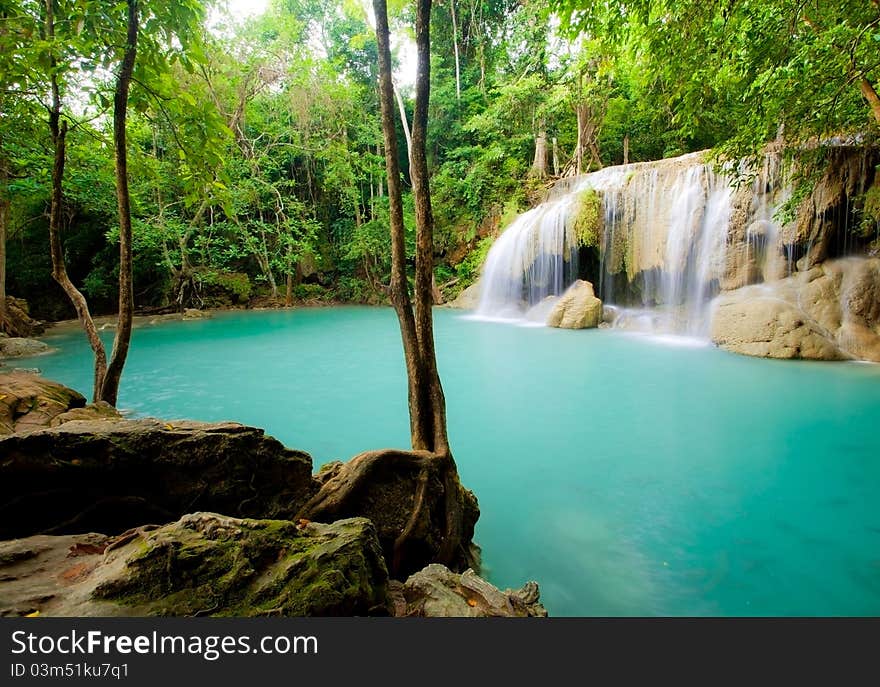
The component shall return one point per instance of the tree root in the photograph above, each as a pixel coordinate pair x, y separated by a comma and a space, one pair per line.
421, 512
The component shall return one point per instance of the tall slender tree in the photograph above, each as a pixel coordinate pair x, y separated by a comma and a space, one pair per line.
110, 386
427, 406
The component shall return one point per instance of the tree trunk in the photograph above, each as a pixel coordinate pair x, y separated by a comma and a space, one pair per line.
555, 157
455, 48
110, 388
4, 223
58, 131
399, 289
626, 149
541, 163
581, 111
406, 132
870, 94
434, 404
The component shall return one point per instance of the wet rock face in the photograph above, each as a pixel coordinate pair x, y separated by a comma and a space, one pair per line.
110, 475
831, 312
438, 592
203, 564
577, 308
28, 402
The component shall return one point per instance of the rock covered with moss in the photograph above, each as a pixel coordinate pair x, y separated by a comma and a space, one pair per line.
203, 564
113, 474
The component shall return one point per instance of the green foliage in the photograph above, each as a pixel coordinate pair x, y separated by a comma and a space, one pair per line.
588, 220
468, 270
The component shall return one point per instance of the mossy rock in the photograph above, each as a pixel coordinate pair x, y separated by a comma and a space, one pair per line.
202, 565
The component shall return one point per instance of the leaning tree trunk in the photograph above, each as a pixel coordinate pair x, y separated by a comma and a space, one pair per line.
58, 131
110, 388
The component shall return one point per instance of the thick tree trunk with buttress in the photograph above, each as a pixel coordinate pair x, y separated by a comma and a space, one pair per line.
110, 388
58, 131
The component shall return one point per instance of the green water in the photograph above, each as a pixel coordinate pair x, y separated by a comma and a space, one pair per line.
627, 476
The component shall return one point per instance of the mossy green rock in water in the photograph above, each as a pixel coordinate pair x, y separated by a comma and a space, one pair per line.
110, 475
203, 564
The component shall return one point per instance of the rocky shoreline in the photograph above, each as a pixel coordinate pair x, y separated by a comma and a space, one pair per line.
103, 515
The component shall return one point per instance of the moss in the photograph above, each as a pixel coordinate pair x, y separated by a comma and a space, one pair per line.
588, 220
251, 568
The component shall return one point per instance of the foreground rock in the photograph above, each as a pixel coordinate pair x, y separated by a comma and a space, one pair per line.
830, 312
436, 591
203, 564
28, 402
110, 475
577, 308
421, 511
17, 347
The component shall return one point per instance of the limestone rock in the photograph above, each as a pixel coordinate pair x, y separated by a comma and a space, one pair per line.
468, 299
830, 312
29, 402
577, 308
18, 347
765, 326
203, 564
436, 591
110, 475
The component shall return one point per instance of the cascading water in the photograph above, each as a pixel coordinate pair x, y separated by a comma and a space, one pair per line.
663, 253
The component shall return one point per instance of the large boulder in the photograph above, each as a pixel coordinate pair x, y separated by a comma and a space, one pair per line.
203, 564
18, 347
436, 591
110, 475
830, 312
755, 324
27, 402
577, 308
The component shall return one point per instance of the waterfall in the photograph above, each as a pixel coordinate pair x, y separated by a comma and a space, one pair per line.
668, 241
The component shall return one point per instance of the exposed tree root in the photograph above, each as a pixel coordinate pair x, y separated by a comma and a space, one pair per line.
415, 499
